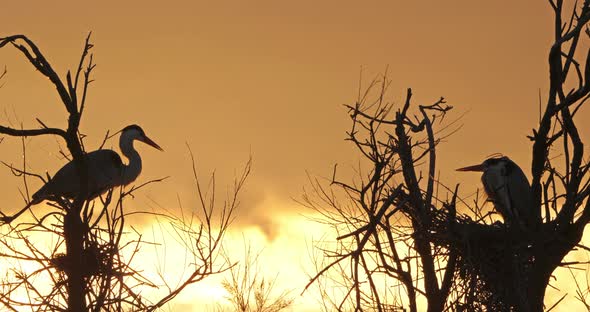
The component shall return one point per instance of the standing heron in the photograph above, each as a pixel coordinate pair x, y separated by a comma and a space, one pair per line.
106, 170
507, 187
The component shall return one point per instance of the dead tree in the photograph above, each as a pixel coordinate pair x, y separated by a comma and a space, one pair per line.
90, 266
249, 290
402, 235
375, 241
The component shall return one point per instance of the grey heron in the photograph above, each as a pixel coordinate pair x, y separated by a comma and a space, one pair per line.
507, 187
106, 170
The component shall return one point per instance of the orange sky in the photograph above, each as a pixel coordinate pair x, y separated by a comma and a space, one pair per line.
268, 78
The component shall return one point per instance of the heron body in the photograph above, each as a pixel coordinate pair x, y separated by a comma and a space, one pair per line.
105, 167
105, 170
507, 187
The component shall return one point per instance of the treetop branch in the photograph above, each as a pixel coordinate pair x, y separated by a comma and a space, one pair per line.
42, 65
32, 132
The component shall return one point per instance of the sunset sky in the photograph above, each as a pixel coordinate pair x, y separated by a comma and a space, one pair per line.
268, 79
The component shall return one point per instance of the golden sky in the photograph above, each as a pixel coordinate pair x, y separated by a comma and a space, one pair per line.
267, 78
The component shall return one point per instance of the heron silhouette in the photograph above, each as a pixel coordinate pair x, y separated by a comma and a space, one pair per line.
507, 187
106, 170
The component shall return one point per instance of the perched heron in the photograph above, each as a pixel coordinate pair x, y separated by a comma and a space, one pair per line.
106, 170
507, 187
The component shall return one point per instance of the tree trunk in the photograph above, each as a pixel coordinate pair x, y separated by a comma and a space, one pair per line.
74, 244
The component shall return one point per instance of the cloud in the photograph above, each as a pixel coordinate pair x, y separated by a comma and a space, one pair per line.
257, 208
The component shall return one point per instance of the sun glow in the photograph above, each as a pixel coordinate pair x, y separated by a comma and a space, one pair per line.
269, 80
283, 259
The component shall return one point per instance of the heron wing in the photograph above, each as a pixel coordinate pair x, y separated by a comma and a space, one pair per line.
104, 172
496, 187
520, 191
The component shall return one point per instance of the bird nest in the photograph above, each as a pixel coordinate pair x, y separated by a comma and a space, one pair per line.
492, 262
95, 260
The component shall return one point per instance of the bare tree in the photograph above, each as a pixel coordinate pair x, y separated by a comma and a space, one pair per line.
379, 215
400, 236
249, 290
90, 263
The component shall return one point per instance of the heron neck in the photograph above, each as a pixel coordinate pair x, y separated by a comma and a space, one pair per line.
133, 168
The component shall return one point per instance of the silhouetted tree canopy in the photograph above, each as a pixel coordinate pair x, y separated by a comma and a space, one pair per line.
403, 236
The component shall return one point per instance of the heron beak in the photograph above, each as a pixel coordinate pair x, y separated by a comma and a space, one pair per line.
151, 143
472, 168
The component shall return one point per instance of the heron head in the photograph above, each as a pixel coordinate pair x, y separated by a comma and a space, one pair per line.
134, 132
492, 161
